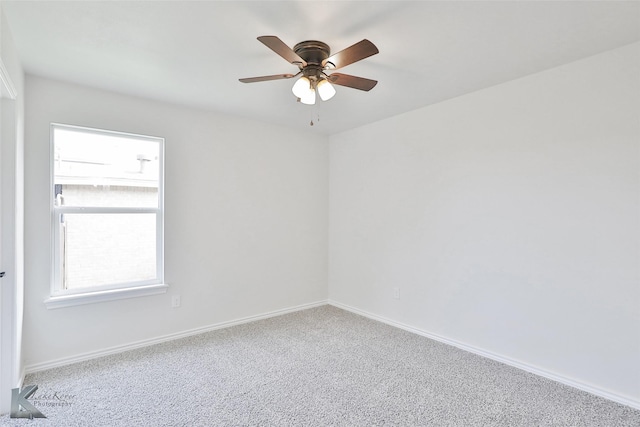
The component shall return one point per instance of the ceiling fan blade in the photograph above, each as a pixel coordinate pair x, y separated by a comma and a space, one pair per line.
266, 78
362, 49
278, 46
352, 81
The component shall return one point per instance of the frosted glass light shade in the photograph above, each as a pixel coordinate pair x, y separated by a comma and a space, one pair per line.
325, 90
309, 98
301, 87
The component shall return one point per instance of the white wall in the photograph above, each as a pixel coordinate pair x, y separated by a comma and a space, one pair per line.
245, 222
508, 218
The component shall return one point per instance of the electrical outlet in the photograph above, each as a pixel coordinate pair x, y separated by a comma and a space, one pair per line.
396, 293
175, 301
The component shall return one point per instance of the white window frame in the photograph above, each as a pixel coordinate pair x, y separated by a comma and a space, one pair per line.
69, 297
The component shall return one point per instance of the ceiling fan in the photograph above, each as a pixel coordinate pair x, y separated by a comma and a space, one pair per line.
313, 58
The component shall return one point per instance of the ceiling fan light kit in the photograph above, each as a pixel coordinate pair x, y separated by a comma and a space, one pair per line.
313, 58
304, 91
325, 90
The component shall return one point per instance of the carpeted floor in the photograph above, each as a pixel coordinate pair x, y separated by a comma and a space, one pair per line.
318, 367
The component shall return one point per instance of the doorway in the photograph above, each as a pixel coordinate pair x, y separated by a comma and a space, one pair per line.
11, 239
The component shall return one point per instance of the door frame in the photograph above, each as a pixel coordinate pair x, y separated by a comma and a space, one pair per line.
11, 296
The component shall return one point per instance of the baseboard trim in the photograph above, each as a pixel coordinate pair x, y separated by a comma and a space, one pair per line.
36, 367
498, 358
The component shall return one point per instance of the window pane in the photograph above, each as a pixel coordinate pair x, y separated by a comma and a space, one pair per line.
104, 249
105, 169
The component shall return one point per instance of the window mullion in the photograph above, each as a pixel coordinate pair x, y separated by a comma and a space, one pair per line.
105, 210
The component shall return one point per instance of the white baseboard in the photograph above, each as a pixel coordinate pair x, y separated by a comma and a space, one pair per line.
507, 361
502, 359
145, 343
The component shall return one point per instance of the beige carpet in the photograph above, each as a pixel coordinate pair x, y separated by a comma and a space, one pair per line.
318, 367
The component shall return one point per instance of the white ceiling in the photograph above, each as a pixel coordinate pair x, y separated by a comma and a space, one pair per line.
192, 53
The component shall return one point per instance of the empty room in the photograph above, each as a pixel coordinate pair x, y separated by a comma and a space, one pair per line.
319, 213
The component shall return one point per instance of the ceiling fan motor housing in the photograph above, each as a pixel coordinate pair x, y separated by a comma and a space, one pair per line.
312, 51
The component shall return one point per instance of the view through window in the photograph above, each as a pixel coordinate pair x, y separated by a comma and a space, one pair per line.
107, 209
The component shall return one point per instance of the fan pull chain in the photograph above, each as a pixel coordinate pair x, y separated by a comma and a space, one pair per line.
317, 114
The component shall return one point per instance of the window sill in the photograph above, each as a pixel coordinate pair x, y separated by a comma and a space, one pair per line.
101, 296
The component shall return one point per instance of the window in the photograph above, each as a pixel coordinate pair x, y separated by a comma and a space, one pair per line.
107, 215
